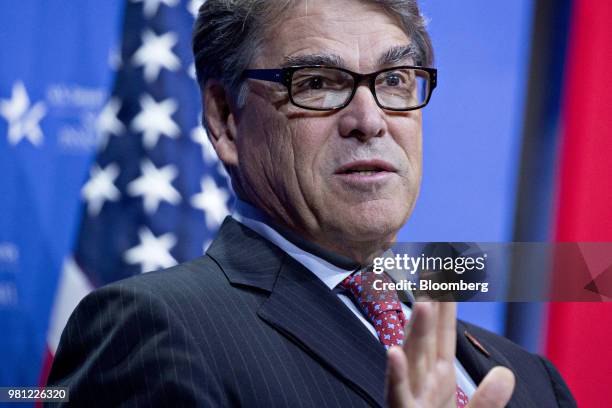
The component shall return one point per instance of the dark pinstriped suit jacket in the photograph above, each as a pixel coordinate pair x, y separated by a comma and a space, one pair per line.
246, 325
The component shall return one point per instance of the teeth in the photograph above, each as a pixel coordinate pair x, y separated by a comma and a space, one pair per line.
365, 172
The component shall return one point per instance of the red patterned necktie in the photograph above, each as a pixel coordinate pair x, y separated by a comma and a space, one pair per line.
381, 307
384, 311
462, 398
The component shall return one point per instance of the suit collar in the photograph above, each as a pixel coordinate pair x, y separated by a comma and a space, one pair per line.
329, 267
259, 221
250, 257
245, 257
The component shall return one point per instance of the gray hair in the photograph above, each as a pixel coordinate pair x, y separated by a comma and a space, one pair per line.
228, 33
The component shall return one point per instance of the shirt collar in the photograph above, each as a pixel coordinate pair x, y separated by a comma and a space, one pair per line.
331, 268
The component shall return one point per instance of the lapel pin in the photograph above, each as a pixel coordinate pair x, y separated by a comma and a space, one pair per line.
476, 343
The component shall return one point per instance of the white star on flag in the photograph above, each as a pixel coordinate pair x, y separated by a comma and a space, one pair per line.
198, 135
155, 185
150, 7
221, 170
153, 252
194, 6
100, 188
191, 71
107, 123
23, 120
156, 53
206, 245
155, 120
212, 200
115, 61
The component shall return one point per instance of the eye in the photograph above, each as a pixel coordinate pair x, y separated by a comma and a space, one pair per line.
392, 79
315, 82
310, 82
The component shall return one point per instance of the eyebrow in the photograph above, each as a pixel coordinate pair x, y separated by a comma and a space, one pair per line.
314, 59
398, 54
393, 55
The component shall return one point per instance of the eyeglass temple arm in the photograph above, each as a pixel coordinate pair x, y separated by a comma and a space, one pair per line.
271, 75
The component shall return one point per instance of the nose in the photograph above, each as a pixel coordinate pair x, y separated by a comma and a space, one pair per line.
362, 118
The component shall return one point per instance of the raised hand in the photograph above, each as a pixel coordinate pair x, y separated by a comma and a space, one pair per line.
421, 374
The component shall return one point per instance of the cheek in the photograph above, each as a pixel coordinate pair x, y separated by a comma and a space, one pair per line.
263, 146
414, 152
408, 133
309, 142
283, 155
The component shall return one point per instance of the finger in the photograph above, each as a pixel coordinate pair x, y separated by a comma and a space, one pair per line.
495, 389
397, 387
432, 341
420, 334
447, 331
439, 387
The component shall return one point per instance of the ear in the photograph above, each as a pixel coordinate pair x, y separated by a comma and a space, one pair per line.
219, 115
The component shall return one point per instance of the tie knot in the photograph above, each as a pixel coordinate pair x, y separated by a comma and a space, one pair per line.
381, 307
370, 294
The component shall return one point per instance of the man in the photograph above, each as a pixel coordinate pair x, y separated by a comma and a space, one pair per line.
315, 109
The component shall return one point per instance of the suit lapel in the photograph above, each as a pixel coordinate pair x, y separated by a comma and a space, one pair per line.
245, 257
479, 357
307, 312
303, 309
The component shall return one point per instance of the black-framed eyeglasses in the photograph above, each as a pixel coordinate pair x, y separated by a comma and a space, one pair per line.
323, 88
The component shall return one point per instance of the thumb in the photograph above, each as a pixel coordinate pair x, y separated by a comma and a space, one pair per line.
495, 389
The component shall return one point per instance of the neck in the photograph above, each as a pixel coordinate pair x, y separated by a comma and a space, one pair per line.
363, 252
337, 250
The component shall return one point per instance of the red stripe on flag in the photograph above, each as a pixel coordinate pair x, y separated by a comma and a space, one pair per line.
44, 373
579, 334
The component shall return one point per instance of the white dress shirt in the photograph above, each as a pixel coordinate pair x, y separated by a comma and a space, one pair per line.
330, 274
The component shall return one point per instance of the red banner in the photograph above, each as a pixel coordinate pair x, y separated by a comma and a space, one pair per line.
579, 334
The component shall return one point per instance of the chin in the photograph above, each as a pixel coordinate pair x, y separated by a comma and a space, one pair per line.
371, 221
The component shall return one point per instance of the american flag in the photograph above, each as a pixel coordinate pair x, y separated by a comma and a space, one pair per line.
156, 193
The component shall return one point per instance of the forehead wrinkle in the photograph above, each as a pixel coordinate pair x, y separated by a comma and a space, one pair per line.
327, 41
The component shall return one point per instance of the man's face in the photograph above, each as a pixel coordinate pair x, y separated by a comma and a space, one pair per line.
303, 166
